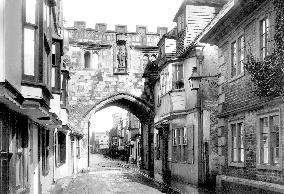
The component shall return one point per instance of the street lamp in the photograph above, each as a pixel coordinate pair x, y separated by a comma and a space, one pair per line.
195, 79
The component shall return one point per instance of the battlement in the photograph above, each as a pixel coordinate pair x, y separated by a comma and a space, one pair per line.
102, 27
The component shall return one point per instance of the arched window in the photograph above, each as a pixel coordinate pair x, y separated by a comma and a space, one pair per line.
87, 59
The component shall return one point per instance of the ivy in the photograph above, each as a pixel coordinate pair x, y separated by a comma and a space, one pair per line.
268, 75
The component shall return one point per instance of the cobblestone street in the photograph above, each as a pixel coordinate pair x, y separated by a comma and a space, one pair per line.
109, 176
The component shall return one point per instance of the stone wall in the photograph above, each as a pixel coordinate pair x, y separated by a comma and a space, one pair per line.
100, 79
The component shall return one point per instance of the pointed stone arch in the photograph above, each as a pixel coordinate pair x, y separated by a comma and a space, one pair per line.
142, 110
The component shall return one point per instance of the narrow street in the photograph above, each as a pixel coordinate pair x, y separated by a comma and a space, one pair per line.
109, 176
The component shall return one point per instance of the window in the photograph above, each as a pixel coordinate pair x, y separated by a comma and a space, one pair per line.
64, 89
20, 127
174, 137
264, 31
60, 145
30, 31
45, 151
56, 66
158, 141
237, 56
165, 81
178, 76
236, 142
78, 148
183, 146
241, 55
269, 143
234, 59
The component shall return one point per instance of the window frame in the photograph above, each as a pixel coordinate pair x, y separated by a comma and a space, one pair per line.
239, 72
59, 145
270, 166
176, 72
35, 28
261, 36
56, 65
230, 144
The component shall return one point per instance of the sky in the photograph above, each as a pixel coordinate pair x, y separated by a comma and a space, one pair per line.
102, 120
150, 13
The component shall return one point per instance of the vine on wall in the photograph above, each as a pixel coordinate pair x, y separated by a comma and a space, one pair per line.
268, 75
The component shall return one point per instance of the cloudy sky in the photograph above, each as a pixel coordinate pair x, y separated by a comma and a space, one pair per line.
151, 13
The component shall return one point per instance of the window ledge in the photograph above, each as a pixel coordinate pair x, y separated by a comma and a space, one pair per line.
173, 91
22, 191
177, 90
237, 164
269, 167
232, 79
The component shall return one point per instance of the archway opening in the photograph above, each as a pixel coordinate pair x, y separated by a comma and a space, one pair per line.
116, 133
138, 116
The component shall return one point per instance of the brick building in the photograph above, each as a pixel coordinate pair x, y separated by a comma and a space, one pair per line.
250, 128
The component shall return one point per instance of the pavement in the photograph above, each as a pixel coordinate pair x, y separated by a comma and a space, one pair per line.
107, 176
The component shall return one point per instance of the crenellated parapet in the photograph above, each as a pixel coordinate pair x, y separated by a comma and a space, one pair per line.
100, 36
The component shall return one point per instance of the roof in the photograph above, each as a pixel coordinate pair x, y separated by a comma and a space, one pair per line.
230, 16
211, 3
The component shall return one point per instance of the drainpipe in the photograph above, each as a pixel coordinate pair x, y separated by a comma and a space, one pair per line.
88, 143
200, 124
